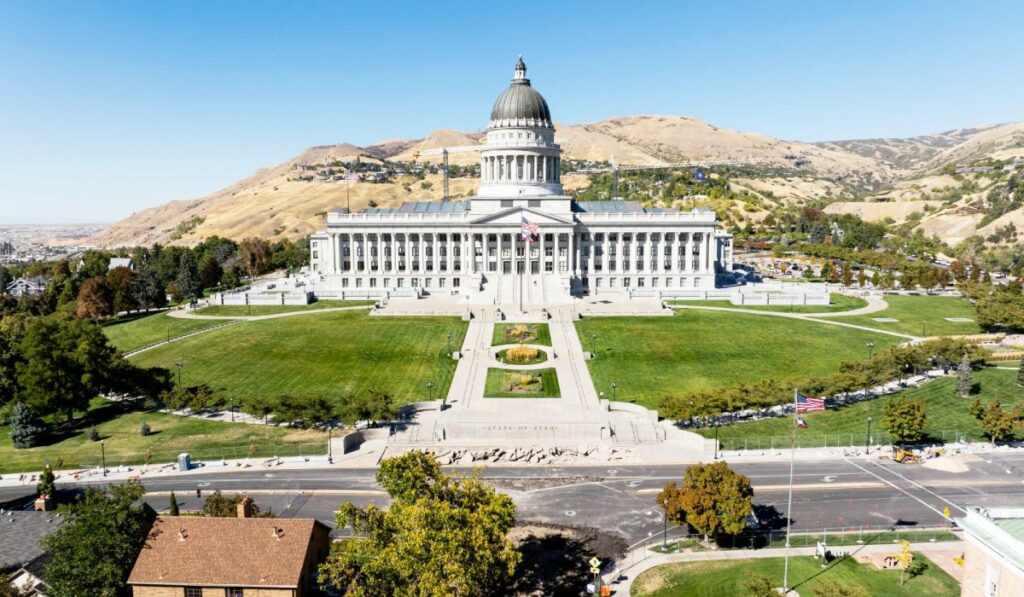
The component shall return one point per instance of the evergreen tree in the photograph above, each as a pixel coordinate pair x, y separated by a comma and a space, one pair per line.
148, 289
172, 507
817, 234
187, 281
27, 429
964, 378
45, 485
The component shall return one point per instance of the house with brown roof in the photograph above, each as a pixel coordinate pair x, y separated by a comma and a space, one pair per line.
230, 557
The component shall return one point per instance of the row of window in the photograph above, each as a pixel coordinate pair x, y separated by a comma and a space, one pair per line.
655, 282
400, 265
198, 592
399, 282
610, 282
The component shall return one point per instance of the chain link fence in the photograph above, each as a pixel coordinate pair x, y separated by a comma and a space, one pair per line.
829, 440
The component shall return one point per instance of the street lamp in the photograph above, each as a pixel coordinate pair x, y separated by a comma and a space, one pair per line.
178, 364
615, 386
430, 390
449, 344
716, 441
231, 407
593, 345
103, 457
924, 328
871, 349
867, 440
330, 455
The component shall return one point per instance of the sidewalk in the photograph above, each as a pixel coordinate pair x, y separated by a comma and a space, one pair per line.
642, 559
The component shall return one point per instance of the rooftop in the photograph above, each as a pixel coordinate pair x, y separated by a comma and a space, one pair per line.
243, 552
20, 532
1000, 529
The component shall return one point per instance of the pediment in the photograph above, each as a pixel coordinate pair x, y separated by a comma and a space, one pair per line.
513, 216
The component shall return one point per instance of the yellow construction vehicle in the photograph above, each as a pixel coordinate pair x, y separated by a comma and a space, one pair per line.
905, 456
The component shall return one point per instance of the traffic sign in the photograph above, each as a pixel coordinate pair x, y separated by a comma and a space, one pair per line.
945, 511
595, 563
595, 570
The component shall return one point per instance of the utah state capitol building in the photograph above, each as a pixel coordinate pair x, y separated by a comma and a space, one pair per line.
520, 239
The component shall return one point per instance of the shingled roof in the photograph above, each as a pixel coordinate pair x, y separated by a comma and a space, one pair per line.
238, 552
20, 533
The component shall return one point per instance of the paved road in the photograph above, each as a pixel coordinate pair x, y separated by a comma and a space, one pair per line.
827, 493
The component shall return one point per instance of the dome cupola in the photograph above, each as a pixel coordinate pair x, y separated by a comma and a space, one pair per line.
520, 105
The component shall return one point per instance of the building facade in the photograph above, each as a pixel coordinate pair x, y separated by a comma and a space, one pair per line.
520, 239
993, 552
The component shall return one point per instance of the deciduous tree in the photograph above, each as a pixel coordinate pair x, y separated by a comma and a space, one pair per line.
905, 419
712, 499
441, 536
95, 300
96, 547
254, 253
997, 423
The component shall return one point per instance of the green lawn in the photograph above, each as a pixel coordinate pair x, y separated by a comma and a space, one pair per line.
277, 309
328, 354
922, 315
171, 435
837, 303
536, 333
133, 332
505, 383
726, 577
848, 425
651, 357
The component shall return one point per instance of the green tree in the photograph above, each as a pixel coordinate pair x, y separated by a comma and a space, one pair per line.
442, 536
27, 430
67, 362
1020, 374
832, 588
217, 506
148, 289
172, 506
760, 585
712, 499
997, 423
905, 419
95, 301
817, 235
95, 549
46, 482
120, 283
187, 280
210, 271
964, 378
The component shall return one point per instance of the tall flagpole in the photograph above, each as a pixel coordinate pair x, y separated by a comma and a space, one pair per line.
789, 506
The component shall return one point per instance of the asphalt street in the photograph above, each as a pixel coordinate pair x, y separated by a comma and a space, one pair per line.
830, 494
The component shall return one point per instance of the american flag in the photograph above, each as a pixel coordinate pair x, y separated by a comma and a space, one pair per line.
805, 404
529, 230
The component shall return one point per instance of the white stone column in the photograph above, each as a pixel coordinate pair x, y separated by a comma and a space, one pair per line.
688, 262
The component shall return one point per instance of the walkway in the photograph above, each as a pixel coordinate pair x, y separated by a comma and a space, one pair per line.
875, 304
644, 560
192, 315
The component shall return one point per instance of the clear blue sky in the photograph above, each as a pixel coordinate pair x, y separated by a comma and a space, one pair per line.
110, 107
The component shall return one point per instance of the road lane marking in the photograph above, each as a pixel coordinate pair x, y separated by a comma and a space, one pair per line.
923, 488
803, 487
898, 488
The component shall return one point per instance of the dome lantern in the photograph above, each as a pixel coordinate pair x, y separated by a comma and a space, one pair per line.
520, 105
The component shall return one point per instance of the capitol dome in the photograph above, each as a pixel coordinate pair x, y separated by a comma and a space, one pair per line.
520, 105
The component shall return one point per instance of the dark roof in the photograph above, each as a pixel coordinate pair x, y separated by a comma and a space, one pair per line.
242, 552
20, 532
520, 104
617, 206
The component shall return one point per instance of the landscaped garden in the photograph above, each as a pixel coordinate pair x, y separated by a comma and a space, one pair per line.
837, 303
123, 443
537, 383
521, 333
328, 355
948, 417
652, 357
233, 310
806, 575
137, 331
922, 316
522, 355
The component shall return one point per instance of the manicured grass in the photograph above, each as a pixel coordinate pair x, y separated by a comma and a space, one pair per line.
726, 577
837, 303
171, 434
278, 309
541, 357
652, 357
847, 425
499, 382
911, 311
330, 354
537, 333
134, 332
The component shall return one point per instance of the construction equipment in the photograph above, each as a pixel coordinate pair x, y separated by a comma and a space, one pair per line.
905, 456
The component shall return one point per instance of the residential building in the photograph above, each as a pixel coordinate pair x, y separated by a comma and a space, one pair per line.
33, 286
22, 558
230, 557
121, 262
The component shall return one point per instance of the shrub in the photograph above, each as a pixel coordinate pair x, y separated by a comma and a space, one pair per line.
525, 380
144, 429
521, 354
519, 331
93, 435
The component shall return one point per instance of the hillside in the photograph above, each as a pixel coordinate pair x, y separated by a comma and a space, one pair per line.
868, 177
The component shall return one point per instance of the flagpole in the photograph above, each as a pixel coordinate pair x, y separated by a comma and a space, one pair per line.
789, 505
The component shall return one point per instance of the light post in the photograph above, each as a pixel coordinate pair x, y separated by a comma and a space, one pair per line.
430, 390
330, 455
593, 345
103, 457
178, 364
615, 387
449, 344
664, 532
231, 407
871, 349
867, 440
716, 441
924, 329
